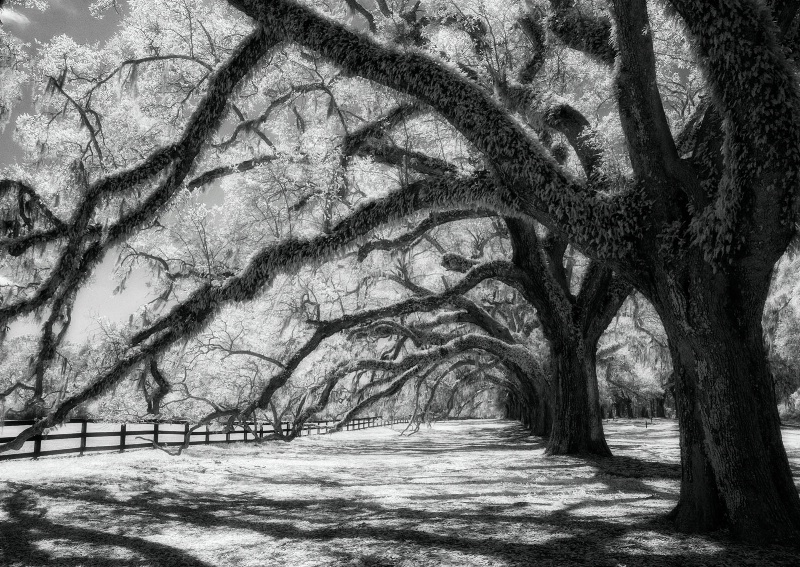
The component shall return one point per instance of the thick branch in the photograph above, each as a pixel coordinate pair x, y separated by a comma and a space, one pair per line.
605, 225
253, 124
26, 190
218, 172
514, 354
163, 387
755, 90
204, 120
378, 129
458, 263
326, 329
409, 238
192, 315
355, 6
531, 26
290, 255
544, 109
652, 150
583, 32
602, 294
389, 153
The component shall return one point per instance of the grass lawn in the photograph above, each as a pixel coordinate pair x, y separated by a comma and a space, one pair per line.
459, 494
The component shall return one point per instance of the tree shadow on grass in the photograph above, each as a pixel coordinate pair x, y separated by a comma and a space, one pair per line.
338, 526
632, 467
27, 525
464, 437
357, 531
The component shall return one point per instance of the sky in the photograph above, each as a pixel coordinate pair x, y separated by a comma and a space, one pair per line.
72, 17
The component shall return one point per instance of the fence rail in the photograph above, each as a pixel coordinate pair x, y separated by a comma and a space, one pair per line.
88, 436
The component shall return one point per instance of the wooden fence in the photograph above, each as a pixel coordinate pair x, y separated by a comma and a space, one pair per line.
88, 436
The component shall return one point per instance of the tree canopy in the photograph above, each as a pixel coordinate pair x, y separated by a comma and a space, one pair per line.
474, 187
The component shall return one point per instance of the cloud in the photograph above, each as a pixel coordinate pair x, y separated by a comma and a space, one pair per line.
8, 16
67, 6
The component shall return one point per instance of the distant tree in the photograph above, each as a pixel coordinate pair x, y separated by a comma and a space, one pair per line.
634, 366
782, 330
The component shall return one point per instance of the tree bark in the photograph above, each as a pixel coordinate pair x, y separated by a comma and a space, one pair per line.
537, 409
735, 468
657, 407
543, 424
700, 507
577, 427
573, 326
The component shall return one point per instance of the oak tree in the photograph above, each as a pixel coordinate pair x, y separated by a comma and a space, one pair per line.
695, 219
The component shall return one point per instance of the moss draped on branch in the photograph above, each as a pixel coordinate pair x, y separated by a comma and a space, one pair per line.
604, 225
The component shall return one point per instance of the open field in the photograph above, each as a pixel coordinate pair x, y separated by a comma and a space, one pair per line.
461, 493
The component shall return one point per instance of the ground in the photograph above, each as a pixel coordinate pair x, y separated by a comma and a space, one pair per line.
476, 493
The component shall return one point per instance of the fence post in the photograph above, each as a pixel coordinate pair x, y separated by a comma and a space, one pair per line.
187, 436
208, 435
287, 428
155, 433
122, 432
244, 426
261, 431
37, 446
83, 437
227, 435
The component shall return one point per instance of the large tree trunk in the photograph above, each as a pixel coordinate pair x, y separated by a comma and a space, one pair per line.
657, 407
534, 410
577, 427
543, 422
700, 507
735, 468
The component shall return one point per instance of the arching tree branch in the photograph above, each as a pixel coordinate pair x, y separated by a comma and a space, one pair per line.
583, 32
74, 258
409, 238
538, 184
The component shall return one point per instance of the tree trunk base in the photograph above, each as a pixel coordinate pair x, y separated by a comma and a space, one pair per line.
566, 446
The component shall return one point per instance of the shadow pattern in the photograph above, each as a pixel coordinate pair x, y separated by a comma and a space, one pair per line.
368, 532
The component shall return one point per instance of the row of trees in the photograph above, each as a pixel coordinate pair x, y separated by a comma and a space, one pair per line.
568, 154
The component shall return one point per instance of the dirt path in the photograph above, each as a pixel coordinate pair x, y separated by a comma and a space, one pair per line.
459, 494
